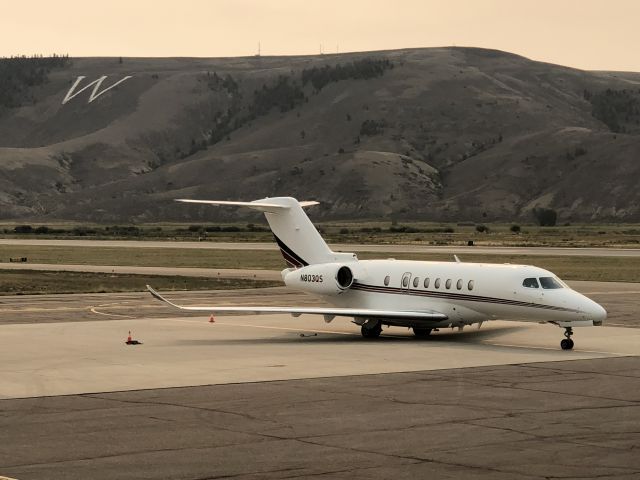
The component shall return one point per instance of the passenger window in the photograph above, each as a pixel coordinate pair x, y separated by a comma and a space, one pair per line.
426, 282
386, 280
405, 282
448, 283
459, 284
530, 283
416, 282
437, 283
470, 285
550, 283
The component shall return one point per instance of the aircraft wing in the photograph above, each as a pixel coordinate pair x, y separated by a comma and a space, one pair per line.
296, 311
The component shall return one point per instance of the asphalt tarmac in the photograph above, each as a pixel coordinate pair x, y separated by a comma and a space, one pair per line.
280, 397
569, 419
619, 299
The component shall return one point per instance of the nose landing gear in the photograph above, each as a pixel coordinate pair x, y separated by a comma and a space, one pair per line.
567, 343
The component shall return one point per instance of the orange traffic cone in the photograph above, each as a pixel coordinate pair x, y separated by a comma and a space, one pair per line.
130, 341
211, 319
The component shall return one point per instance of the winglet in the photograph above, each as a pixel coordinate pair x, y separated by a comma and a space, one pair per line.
157, 296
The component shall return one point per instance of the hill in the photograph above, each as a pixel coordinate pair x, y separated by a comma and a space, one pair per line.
427, 134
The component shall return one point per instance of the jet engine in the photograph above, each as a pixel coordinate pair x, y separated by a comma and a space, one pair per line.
322, 279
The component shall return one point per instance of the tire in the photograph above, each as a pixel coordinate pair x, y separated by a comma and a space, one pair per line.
421, 332
566, 344
373, 332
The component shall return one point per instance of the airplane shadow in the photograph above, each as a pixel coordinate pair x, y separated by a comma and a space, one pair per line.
290, 338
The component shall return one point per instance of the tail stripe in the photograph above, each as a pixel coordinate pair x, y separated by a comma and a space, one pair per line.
291, 262
289, 255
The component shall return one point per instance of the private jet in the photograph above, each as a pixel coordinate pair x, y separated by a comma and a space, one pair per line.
420, 295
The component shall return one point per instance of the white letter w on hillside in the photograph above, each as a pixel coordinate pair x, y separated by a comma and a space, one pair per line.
96, 88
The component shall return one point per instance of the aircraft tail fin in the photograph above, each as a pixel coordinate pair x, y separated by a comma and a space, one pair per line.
299, 241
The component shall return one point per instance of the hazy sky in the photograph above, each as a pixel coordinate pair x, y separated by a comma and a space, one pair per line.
589, 34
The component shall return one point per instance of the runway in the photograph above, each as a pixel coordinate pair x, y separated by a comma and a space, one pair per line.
340, 247
273, 396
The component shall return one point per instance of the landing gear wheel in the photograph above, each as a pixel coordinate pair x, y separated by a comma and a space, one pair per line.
421, 332
567, 343
371, 332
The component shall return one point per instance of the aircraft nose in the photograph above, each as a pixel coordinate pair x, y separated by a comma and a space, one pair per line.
597, 313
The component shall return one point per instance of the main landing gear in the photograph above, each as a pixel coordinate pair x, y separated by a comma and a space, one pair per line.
421, 332
371, 331
567, 343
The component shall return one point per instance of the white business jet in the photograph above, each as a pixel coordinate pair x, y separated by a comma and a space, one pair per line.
420, 295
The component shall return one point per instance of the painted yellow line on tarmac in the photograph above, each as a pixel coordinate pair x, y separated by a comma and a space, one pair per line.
93, 310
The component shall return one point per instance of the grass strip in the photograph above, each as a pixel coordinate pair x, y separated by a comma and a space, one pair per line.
33, 282
606, 269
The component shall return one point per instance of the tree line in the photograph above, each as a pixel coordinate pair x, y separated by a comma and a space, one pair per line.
617, 109
19, 75
284, 93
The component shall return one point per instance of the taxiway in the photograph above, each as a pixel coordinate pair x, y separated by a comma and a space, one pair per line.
619, 299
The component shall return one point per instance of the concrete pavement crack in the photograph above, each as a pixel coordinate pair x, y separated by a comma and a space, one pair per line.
417, 459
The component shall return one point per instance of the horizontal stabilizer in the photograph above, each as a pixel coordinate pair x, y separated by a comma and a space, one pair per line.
256, 205
338, 312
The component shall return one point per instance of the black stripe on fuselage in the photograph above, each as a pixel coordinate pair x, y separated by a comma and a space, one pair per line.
454, 296
289, 255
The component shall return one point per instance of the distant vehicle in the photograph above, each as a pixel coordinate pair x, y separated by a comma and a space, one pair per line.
419, 295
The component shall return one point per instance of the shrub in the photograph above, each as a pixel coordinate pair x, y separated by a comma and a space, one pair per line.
83, 231
546, 217
402, 229
23, 229
615, 108
20, 75
515, 228
482, 228
284, 95
371, 127
362, 69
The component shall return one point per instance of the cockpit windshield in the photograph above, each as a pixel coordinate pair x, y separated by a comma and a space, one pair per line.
550, 283
530, 283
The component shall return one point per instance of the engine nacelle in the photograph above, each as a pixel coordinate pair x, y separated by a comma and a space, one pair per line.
322, 279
